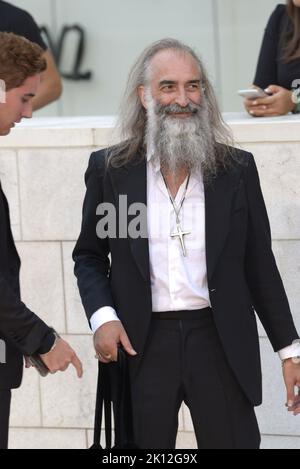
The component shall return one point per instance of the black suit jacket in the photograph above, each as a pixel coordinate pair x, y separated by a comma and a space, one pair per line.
241, 269
21, 330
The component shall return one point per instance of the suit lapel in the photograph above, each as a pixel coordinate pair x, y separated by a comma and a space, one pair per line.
218, 205
131, 181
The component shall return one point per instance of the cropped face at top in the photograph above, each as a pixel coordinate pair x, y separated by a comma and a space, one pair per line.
18, 104
174, 78
296, 3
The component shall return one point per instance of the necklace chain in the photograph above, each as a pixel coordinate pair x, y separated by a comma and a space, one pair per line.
177, 209
179, 233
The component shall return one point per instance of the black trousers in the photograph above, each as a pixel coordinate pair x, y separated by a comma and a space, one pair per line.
184, 361
5, 398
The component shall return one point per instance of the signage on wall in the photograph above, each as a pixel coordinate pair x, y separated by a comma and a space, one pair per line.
57, 48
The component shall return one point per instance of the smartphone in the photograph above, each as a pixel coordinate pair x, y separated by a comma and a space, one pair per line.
253, 93
36, 361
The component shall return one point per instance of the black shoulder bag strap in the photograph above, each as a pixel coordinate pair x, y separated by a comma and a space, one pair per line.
103, 400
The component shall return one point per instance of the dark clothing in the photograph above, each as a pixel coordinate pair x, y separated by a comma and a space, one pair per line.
15, 20
271, 70
22, 331
185, 362
5, 398
241, 270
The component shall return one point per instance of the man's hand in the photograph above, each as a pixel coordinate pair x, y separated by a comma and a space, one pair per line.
106, 341
291, 374
279, 104
61, 357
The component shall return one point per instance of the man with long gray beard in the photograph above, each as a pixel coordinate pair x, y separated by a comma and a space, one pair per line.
182, 215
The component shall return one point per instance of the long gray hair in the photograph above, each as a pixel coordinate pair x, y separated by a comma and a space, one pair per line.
131, 125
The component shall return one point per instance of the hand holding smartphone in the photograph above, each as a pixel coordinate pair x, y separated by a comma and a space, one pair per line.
253, 93
36, 361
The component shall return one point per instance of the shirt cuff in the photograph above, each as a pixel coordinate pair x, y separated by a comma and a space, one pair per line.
102, 316
290, 351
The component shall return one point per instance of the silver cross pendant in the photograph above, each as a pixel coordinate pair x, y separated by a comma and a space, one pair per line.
180, 234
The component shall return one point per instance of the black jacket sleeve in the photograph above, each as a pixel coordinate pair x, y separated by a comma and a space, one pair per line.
263, 278
266, 72
91, 254
20, 325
